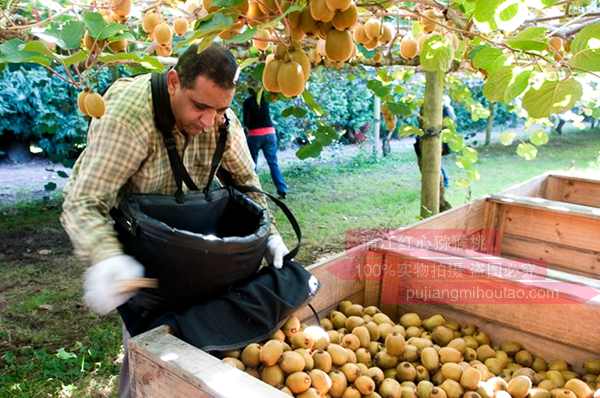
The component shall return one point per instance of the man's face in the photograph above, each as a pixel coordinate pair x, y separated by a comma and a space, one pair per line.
200, 107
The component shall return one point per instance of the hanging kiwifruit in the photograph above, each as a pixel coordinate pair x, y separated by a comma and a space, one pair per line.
290, 79
338, 47
345, 19
269, 77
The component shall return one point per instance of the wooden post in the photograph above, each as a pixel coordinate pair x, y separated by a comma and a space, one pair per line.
490, 124
431, 144
376, 127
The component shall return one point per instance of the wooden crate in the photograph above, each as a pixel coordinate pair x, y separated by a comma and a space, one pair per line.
476, 244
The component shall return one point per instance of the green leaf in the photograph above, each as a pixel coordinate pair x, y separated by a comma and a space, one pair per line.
243, 37
61, 353
295, 111
533, 38
38, 46
368, 54
311, 150
526, 151
507, 138
485, 11
214, 23
416, 29
408, 130
400, 109
455, 141
496, 84
586, 60
75, 58
437, 54
582, 38
247, 62
326, 134
226, 3
95, 23
13, 51
69, 34
539, 138
552, 97
49, 187
517, 86
378, 88
488, 58
148, 62
312, 104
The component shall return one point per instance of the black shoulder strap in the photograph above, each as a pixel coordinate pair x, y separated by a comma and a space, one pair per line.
218, 154
165, 120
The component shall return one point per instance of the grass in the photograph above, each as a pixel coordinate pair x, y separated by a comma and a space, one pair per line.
52, 346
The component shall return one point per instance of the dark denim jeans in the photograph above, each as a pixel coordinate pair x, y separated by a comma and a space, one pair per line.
268, 145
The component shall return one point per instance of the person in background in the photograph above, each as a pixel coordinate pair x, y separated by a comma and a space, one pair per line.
261, 135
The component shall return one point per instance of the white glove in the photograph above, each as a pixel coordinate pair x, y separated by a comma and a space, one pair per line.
276, 249
101, 282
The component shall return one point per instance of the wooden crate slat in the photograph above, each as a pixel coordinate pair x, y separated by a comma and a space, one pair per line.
165, 366
573, 189
532, 187
549, 205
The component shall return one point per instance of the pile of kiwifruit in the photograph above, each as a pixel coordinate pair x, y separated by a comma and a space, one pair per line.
360, 352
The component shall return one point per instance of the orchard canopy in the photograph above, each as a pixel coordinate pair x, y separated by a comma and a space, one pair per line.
542, 56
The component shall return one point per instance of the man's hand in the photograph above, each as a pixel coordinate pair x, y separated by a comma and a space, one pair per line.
276, 249
102, 280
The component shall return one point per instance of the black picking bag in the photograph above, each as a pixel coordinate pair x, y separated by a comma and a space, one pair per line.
205, 248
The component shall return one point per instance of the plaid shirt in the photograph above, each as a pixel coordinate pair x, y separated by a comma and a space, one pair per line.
125, 153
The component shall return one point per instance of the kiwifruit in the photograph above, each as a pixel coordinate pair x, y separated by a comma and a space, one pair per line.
408, 47
511, 347
320, 12
351, 355
338, 383
233, 354
428, 20
298, 382
298, 55
162, 33
371, 310
524, 358
449, 354
94, 105
270, 352
351, 321
442, 335
518, 387
270, 82
556, 377
292, 362
438, 392
164, 50
410, 318
121, 8
562, 393
547, 385
411, 353
494, 365
351, 371
470, 378
424, 388
278, 335
580, 388
334, 336
527, 372
363, 356
325, 323
422, 373
452, 388
471, 394
373, 31
471, 342
308, 359
351, 341
364, 384
149, 22
430, 358
406, 371
363, 368
558, 364
385, 361
81, 102
351, 392
345, 19
344, 305
250, 356
236, 363
299, 339
118, 45
384, 330
407, 392
420, 342
375, 347
320, 380
482, 337
307, 23
395, 344
373, 329
322, 360
339, 356
254, 15
355, 310
451, 370
386, 35
338, 47
359, 34
468, 330
484, 352
291, 326
338, 5
272, 375
555, 43
537, 392
310, 393
376, 374
380, 318
389, 388
568, 374
592, 366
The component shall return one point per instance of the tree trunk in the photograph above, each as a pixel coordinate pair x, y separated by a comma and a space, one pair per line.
376, 127
490, 124
431, 144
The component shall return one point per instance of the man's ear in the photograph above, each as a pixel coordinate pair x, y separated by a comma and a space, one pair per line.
173, 82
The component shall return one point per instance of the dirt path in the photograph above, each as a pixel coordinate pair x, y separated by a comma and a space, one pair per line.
25, 182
